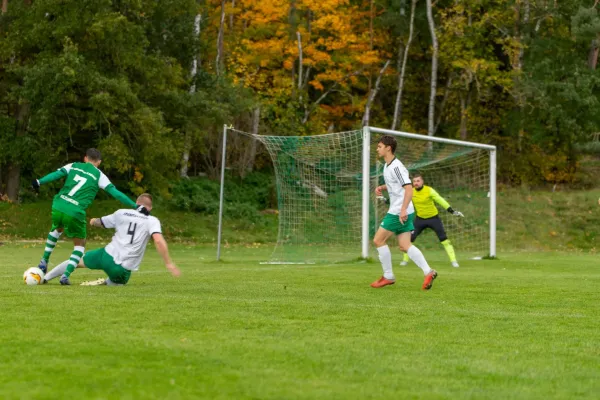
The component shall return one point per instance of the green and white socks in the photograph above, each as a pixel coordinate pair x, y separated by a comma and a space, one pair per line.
66, 268
51, 241
74, 260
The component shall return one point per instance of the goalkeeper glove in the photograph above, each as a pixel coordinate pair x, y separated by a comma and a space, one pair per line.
35, 185
455, 213
383, 199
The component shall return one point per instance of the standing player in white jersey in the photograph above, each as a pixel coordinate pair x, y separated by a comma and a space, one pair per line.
133, 229
399, 218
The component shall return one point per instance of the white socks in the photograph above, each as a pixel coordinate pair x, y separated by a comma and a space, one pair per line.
385, 256
415, 254
57, 271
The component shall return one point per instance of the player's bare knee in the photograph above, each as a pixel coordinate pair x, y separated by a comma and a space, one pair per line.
378, 242
404, 244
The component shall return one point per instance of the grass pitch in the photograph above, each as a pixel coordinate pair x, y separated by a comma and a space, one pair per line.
524, 326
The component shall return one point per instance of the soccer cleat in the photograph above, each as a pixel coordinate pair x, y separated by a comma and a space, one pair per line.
429, 278
381, 282
455, 264
43, 265
97, 282
64, 280
403, 263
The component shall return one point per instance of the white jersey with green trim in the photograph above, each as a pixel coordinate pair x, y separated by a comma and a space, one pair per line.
132, 232
396, 177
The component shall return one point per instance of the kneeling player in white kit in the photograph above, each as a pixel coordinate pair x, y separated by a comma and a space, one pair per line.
133, 229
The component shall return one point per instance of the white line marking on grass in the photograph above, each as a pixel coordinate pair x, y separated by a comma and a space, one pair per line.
204, 270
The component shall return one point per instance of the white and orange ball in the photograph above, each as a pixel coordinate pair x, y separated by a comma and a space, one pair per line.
33, 276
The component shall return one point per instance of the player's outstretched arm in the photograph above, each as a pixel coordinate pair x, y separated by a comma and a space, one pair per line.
442, 202
435, 196
51, 177
118, 195
97, 222
163, 250
108, 221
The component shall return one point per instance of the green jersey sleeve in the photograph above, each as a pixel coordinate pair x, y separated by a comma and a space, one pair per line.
56, 175
118, 195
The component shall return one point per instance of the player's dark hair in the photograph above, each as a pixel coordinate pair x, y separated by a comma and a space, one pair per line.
93, 154
417, 175
389, 141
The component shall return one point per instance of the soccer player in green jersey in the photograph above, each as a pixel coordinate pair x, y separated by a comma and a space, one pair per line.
83, 180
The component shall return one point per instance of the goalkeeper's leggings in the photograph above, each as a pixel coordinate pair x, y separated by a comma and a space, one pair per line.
434, 223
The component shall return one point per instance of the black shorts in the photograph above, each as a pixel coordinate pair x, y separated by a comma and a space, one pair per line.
434, 223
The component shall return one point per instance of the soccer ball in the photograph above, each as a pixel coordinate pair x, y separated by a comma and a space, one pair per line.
33, 276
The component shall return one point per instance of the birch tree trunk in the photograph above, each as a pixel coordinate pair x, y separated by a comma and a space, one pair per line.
463, 116
398, 108
255, 125
434, 68
187, 141
520, 27
443, 104
300, 60
219, 58
373, 94
185, 157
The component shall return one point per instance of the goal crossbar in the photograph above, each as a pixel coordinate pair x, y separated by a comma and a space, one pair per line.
431, 138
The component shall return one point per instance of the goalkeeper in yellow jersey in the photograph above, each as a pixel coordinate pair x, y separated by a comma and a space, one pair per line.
423, 199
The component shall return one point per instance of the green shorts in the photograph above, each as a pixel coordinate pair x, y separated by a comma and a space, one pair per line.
74, 228
100, 259
392, 223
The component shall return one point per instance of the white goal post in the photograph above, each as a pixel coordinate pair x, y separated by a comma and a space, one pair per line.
325, 189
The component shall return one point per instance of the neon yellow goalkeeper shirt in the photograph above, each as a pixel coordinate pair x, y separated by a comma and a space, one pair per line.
424, 199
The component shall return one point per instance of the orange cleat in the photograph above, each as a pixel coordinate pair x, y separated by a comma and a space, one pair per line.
381, 282
429, 278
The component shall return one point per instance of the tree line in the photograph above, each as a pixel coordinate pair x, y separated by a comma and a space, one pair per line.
151, 83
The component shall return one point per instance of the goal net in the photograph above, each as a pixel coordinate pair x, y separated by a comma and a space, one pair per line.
326, 216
